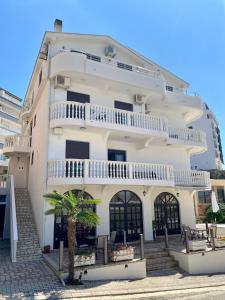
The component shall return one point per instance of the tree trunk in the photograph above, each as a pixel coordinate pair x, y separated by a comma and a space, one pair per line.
71, 248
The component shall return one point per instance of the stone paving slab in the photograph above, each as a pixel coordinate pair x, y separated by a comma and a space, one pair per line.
34, 280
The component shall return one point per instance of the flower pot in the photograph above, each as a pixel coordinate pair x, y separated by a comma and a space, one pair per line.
197, 245
120, 255
84, 260
219, 243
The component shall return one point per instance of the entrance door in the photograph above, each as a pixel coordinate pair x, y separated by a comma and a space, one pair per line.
167, 214
126, 214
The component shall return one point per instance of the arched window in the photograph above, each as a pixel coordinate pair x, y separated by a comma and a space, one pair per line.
126, 214
83, 234
167, 214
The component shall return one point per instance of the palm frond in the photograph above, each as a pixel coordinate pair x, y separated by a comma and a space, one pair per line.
53, 211
88, 218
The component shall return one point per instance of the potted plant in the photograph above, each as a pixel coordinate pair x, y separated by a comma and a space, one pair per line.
195, 245
122, 252
220, 242
77, 209
84, 257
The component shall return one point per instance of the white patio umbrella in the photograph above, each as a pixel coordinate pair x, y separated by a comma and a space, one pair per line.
215, 206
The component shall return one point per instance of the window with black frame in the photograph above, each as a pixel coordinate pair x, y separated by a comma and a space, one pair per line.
204, 197
220, 194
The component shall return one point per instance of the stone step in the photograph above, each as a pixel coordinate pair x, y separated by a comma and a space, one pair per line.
158, 260
164, 266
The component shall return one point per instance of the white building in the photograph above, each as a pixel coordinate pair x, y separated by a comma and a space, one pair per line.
211, 159
99, 115
10, 106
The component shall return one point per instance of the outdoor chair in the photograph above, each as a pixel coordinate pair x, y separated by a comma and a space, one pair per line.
112, 238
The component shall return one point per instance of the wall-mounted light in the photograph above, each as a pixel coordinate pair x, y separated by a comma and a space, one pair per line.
178, 194
144, 193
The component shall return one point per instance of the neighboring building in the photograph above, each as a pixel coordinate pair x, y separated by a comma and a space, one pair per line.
99, 115
10, 106
213, 158
203, 198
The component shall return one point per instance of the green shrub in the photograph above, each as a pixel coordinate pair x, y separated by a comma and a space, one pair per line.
210, 216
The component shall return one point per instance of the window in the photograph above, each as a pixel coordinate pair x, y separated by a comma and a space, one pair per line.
40, 78
169, 88
190, 127
220, 194
124, 66
78, 97
204, 197
34, 123
123, 105
77, 150
93, 57
32, 158
116, 155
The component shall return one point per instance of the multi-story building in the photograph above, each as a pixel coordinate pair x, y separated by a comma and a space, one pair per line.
99, 115
10, 106
212, 158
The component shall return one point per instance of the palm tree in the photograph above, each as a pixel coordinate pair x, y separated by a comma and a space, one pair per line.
78, 210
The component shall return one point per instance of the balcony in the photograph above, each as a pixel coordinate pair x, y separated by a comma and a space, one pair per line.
26, 109
71, 113
4, 162
195, 140
74, 171
16, 144
117, 74
189, 106
189, 178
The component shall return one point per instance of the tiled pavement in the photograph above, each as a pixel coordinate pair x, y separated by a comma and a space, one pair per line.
34, 280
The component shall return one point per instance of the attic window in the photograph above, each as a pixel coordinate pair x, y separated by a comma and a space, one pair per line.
93, 57
169, 88
124, 66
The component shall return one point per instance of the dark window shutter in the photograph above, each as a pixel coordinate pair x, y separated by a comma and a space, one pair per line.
77, 150
123, 105
78, 97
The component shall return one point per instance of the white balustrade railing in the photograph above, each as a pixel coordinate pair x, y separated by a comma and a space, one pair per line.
13, 220
187, 135
3, 181
106, 115
100, 169
17, 141
191, 178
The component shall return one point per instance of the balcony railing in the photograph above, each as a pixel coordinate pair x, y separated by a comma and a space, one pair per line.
190, 136
97, 115
78, 171
108, 172
17, 143
191, 178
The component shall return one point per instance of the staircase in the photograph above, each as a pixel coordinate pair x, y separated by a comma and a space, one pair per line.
158, 259
28, 247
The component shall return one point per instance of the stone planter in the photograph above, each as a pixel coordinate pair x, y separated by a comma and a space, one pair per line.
196, 245
119, 255
219, 243
84, 260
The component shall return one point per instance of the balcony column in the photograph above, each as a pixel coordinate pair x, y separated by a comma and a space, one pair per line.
86, 169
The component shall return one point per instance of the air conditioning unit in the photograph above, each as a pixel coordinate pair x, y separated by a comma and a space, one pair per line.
110, 51
62, 82
147, 108
139, 99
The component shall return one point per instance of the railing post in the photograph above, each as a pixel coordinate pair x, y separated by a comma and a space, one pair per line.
186, 241
86, 168
130, 169
87, 110
142, 246
61, 248
105, 250
212, 239
124, 237
166, 238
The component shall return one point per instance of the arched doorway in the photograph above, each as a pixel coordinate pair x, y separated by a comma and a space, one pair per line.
125, 210
60, 227
167, 214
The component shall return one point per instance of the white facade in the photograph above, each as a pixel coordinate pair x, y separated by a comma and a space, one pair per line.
10, 106
212, 159
154, 136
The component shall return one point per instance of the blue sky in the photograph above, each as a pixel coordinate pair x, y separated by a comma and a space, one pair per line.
185, 36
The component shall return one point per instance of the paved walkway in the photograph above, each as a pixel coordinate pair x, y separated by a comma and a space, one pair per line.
36, 281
